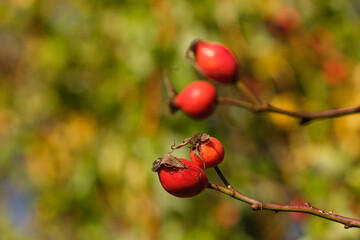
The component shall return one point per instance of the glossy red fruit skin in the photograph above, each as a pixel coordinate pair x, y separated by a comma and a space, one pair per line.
212, 153
216, 61
183, 182
197, 100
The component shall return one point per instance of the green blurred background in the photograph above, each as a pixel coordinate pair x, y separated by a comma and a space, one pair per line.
83, 114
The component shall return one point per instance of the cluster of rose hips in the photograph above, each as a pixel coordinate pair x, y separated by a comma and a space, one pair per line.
214, 61
184, 178
181, 177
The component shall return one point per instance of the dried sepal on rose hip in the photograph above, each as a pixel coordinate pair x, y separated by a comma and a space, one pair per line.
205, 151
180, 177
214, 60
197, 100
194, 141
168, 161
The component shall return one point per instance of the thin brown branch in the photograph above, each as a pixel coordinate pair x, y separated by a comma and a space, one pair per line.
248, 94
305, 117
306, 208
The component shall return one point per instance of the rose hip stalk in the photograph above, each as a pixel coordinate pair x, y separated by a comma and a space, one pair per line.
215, 61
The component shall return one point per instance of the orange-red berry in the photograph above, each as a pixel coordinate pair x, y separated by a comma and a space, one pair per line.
211, 152
197, 100
215, 61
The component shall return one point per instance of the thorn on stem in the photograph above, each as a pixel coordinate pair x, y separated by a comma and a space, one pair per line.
308, 205
230, 187
233, 192
304, 121
257, 206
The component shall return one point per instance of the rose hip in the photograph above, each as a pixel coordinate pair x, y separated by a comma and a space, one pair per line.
183, 182
197, 100
208, 154
215, 61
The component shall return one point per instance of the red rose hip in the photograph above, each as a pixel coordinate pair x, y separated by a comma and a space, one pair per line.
215, 61
210, 153
197, 100
183, 182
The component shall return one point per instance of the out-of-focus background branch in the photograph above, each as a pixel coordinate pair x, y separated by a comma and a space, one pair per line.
83, 114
